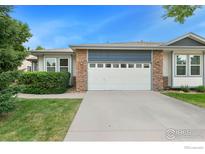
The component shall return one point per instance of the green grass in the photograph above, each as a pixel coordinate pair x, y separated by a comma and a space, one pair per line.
196, 99
38, 120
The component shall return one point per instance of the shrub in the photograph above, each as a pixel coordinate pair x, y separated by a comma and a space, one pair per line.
44, 82
7, 99
8, 91
7, 78
185, 88
200, 89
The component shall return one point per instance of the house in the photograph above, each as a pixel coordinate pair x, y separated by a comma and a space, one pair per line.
29, 64
130, 66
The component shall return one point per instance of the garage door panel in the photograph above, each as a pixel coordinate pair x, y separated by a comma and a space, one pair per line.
119, 78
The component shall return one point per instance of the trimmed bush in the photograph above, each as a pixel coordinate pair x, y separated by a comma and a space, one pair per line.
200, 89
44, 82
185, 88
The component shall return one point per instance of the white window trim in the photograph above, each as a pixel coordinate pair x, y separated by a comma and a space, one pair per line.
181, 65
93, 64
200, 57
50, 66
64, 66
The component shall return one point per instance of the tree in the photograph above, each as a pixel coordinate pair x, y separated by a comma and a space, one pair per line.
180, 12
39, 47
13, 34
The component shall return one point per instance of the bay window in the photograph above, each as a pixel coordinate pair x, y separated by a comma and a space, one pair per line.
194, 65
51, 64
181, 65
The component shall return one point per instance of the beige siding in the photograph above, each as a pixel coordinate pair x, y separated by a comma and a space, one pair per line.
170, 69
167, 72
74, 65
40, 63
165, 64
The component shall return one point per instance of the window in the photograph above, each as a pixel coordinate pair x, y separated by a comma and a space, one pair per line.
194, 64
115, 65
138, 65
131, 65
181, 61
100, 65
51, 64
123, 65
92, 65
108, 65
63, 65
146, 65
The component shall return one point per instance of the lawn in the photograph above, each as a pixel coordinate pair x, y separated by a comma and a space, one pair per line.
196, 99
38, 120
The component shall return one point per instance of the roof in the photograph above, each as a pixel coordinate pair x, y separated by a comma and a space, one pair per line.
56, 50
141, 45
188, 35
144, 45
118, 45
31, 58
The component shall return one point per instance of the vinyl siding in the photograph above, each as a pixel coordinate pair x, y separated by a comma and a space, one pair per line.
187, 42
119, 55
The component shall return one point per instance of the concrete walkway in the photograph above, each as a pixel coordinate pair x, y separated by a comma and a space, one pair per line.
136, 116
71, 95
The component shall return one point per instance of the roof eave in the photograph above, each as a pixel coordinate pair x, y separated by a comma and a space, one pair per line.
140, 48
190, 35
50, 52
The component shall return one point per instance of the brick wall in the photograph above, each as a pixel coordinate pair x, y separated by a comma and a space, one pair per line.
157, 76
81, 70
165, 82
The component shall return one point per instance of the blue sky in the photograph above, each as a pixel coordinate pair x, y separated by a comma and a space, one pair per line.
59, 26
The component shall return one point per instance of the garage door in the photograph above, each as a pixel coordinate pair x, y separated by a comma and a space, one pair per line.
119, 70
119, 76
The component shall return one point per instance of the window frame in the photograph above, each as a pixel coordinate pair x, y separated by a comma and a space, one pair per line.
138, 64
92, 64
100, 64
113, 65
51, 66
130, 64
181, 64
63, 66
200, 59
146, 65
123, 64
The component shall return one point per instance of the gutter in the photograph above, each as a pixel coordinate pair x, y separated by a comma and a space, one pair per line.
141, 47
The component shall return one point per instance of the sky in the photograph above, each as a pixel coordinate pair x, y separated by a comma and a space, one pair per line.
61, 26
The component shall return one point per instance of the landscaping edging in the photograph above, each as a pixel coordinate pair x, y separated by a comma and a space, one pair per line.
77, 95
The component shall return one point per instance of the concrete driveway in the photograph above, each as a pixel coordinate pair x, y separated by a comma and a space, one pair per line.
136, 116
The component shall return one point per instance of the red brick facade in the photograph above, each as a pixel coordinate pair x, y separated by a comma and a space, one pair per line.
157, 70
81, 70
165, 82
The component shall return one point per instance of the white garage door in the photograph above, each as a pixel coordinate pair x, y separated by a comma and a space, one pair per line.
119, 76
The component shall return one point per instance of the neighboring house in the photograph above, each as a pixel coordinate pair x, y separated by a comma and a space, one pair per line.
29, 64
130, 66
